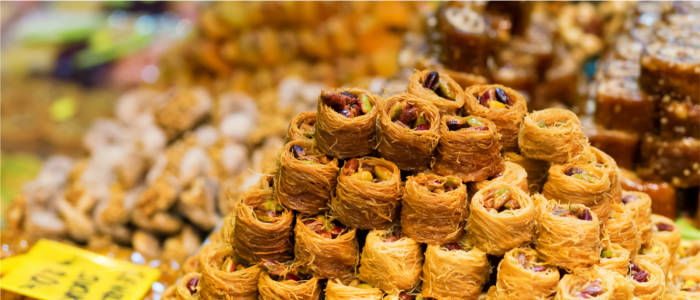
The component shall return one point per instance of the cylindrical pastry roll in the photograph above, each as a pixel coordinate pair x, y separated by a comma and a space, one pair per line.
621, 229
468, 148
605, 162
305, 178
356, 290
302, 126
614, 258
568, 235
552, 134
580, 183
504, 106
522, 276
325, 248
592, 283
225, 278
345, 122
285, 282
263, 228
536, 170
368, 193
437, 88
513, 174
454, 271
666, 231
407, 131
648, 279
657, 252
501, 218
433, 208
391, 261
640, 204
188, 287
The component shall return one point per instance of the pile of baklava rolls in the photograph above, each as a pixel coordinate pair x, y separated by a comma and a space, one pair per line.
439, 193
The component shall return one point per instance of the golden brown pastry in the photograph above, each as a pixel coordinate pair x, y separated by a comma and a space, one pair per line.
454, 271
345, 122
434, 208
501, 217
552, 134
355, 290
468, 148
407, 131
438, 88
368, 193
582, 184
301, 127
325, 248
223, 277
391, 261
504, 106
521, 275
285, 282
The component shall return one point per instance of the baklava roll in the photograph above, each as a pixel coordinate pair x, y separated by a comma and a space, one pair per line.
513, 174
504, 106
305, 178
647, 278
355, 290
391, 261
468, 148
368, 193
521, 275
325, 247
536, 170
501, 217
434, 208
621, 229
223, 277
282, 281
580, 183
407, 131
666, 231
568, 235
302, 126
552, 134
640, 204
263, 227
345, 122
592, 283
437, 88
614, 258
454, 271
188, 287
657, 252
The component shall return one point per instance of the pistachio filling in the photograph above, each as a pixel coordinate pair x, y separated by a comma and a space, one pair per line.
606, 253
439, 87
690, 285
283, 272
530, 262
545, 124
359, 284
347, 104
581, 213
325, 227
579, 174
470, 122
501, 200
406, 115
307, 128
392, 235
442, 185
269, 211
229, 265
591, 289
495, 98
367, 173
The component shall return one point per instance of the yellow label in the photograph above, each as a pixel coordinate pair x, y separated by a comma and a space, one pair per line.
52, 270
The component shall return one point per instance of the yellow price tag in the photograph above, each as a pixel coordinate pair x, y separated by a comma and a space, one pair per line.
52, 270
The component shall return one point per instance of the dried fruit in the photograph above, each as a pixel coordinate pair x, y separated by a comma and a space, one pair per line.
193, 285
628, 198
432, 80
325, 227
637, 273
502, 96
298, 151
452, 246
592, 289
495, 98
585, 215
346, 103
664, 227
